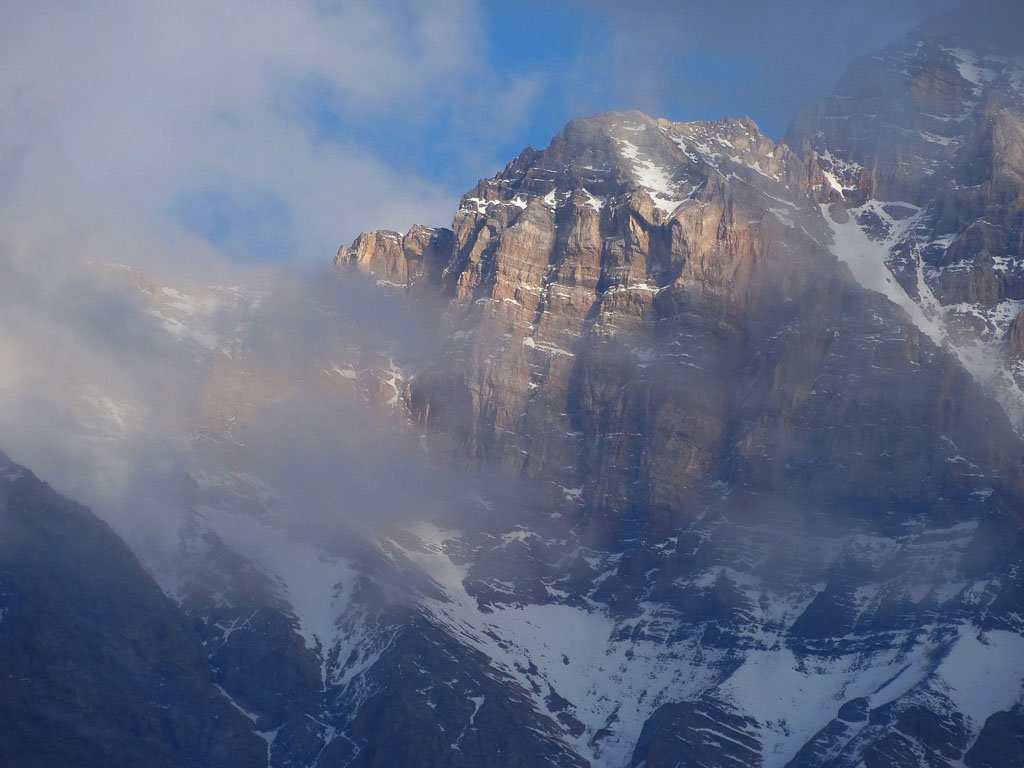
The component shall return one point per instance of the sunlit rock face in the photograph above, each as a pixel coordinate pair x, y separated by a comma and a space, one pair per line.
407, 262
646, 310
585, 278
769, 474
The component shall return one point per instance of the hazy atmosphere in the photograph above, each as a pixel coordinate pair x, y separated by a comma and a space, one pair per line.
207, 143
465, 384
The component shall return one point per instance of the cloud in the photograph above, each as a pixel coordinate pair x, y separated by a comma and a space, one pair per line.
145, 112
119, 408
264, 131
178, 135
695, 60
996, 22
194, 140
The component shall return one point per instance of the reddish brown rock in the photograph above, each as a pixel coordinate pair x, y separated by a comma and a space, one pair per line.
399, 261
646, 309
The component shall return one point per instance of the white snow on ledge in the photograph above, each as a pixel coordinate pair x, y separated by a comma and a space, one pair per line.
969, 67
551, 349
655, 179
983, 672
866, 259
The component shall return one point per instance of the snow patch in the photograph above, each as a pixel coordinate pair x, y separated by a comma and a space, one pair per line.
317, 586
968, 65
551, 349
540, 646
984, 672
866, 259
655, 179
345, 373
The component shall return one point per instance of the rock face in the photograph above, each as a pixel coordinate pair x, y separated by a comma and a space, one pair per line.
563, 265
925, 143
100, 668
412, 261
768, 473
610, 294
691, 733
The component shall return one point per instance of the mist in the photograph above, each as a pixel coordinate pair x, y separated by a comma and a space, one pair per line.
147, 394
148, 156
168, 209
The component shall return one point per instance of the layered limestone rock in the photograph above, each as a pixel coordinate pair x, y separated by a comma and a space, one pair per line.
647, 309
399, 261
563, 265
753, 455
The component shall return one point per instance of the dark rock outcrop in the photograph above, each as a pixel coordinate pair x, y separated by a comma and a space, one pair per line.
705, 733
100, 668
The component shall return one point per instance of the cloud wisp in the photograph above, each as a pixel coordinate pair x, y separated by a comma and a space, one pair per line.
190, 118
689, 60
189, 141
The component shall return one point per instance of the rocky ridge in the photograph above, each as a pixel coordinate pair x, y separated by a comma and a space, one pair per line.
695, 342
651, 559
99, 666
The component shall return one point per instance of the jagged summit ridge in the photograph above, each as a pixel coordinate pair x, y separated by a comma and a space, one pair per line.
600, 172
607, 157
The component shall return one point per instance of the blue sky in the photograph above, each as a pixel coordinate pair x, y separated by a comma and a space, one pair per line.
256, 130
681, 60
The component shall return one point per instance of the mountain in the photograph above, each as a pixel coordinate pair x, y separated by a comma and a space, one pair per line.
700, 448
764, 456
923, 144
100, 667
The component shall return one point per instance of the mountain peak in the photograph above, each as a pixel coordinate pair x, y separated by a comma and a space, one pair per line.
629, 158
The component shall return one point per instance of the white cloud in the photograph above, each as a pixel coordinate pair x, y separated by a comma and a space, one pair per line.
114, 111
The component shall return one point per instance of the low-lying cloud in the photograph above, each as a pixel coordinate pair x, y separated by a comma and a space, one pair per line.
145, 399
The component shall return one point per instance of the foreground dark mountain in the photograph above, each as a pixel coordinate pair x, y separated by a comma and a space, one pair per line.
747, 498
99, 667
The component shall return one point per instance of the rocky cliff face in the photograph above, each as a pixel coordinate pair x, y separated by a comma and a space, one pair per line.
411, 262
923, 142
646, 310
764, 455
